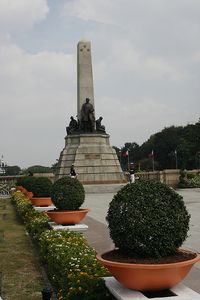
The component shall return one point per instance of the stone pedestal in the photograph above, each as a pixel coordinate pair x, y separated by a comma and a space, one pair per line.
94, 159
178, 292
44, 208
76, 227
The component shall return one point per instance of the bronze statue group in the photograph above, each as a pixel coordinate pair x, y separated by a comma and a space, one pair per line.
87, 122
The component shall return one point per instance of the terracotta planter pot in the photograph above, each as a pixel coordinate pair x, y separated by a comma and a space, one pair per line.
65, 217
149, 277
29, 195
19, 187
41, 201
24, 191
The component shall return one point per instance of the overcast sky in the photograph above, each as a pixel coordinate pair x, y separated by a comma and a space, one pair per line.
146, 68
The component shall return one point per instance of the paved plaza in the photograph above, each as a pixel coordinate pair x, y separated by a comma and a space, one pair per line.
98, 234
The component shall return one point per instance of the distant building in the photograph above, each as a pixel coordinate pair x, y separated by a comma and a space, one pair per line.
2, 166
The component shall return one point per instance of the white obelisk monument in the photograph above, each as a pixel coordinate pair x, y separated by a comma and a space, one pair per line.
85, 87
94, 159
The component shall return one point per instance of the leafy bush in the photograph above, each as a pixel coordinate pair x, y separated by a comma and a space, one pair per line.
67, 193
188, 180
72, 265
148, 219
41, 187
23, 205
190, 176
26, 182
35, 222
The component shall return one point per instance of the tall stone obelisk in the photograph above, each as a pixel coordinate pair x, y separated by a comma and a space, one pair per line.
89, 151
85, 87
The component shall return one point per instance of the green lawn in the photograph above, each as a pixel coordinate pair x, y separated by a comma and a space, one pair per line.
20, 271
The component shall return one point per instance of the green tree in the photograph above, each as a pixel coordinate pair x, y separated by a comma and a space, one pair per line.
37, 169
174, 144
12, 170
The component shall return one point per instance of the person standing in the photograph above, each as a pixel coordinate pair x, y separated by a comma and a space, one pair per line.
132, 173
72, 172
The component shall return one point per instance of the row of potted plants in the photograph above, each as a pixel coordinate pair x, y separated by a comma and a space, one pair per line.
67, 194
71, 263
38, 189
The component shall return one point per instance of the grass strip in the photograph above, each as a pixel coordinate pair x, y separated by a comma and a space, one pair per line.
21, 273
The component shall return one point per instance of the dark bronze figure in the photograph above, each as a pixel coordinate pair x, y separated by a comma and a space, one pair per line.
87, 117
73, 126
99, 127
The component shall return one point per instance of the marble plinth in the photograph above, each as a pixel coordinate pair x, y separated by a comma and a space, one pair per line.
181, 292
44, 208
76, 227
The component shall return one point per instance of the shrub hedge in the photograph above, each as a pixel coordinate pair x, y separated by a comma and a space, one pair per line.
71, 263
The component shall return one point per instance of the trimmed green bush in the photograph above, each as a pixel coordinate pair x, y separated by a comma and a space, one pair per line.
26, 182
41, 187
148, 219
67, 193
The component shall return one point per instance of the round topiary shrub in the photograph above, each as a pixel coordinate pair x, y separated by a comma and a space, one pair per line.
26, 181
67, 193
148, 219
41, 187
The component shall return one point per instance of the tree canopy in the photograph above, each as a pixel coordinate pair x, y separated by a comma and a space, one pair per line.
174, 146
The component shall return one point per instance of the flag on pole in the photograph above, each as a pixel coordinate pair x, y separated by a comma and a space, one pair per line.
151, 154
125, 154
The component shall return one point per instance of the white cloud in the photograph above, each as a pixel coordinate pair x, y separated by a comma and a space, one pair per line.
137, 120
98, 11
21, 14
38, 95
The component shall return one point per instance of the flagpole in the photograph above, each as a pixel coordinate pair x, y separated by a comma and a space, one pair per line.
128, 160
176, 159
120, 153
152, 153
153, 163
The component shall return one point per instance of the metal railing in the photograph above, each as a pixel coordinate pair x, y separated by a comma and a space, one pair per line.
6, 183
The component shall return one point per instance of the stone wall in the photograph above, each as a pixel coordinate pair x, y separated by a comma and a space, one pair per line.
169, 177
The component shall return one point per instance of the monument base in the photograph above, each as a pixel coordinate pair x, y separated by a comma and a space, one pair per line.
95, 161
